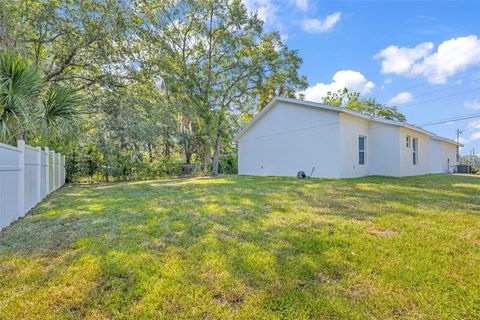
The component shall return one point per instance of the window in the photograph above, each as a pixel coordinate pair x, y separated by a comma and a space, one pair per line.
361, 149
408, 142
415, 150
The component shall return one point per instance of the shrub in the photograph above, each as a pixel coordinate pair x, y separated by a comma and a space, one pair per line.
228, 164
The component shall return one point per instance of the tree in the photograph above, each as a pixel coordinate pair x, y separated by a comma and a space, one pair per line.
83, 42
160, 80
281, 76
352, 101
20, 86
214, 56
59, 115
26, 110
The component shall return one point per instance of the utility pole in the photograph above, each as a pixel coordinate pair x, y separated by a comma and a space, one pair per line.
473, 158
458, 148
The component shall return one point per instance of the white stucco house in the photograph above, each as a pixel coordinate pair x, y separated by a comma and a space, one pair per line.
291, 135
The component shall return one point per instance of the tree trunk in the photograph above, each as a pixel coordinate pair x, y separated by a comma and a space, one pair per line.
150, 153
216, 153
207, 158
188, 157
187, 151
166, 148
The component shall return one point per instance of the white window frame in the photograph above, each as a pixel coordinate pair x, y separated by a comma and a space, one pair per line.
415, 151
408, 142
364, 151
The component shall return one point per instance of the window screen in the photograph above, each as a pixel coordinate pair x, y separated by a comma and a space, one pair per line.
361, 150
415, 151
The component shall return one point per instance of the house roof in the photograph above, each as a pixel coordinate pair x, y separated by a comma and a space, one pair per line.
338, 109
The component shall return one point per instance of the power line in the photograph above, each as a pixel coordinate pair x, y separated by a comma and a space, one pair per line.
471, 127
438, 78
455, 119
446, 88
418, 84
439, 98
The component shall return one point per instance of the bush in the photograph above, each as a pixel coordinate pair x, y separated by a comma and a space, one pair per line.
228, 164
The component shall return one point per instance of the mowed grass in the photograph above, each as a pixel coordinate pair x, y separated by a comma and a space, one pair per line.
249, 248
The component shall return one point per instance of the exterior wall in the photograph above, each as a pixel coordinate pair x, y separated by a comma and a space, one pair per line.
407, 168
443, 156
291, 138
435, 149
449, 156
383, 151
350, 129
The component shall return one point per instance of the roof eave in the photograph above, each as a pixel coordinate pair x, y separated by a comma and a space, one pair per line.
340, 110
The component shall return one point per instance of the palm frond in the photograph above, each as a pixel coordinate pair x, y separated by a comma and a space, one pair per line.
60, 109
20, 86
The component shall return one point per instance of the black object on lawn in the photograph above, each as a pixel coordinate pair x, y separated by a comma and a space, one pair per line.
302, 175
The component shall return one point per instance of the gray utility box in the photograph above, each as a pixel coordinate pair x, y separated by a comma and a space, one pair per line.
464, 168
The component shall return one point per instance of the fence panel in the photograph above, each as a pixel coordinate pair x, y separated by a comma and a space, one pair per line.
44, 175
9, 172
27, 175
57, 170
32, 178
51, 172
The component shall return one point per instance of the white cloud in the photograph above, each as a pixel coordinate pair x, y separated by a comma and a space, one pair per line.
266, 10
472, 138
353, 80
474, 104
402, 97
301, 4
452, 56
399, 60
321, 25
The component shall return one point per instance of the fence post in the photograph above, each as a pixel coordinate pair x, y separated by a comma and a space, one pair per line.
47, 175
63, 169
59, 184
39, 174
54, 159
21, 179
52, 154
54, 186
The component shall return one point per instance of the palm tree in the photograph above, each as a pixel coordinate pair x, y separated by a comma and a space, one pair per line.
30, 107
59, 112
20, 87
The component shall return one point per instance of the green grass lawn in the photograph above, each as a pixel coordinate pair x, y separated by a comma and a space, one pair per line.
248, 247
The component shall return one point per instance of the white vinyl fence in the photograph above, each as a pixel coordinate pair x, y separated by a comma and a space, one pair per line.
27, 176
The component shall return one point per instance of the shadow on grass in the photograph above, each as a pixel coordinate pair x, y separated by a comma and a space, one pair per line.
164, 246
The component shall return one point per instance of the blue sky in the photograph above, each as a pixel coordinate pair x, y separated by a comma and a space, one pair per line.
421, 56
